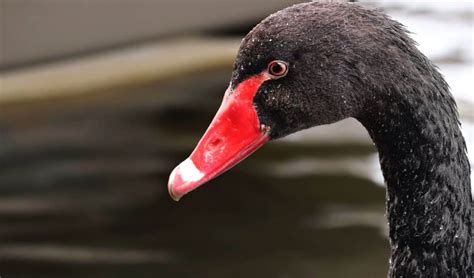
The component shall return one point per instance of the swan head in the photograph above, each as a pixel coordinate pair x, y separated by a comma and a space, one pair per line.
307, 65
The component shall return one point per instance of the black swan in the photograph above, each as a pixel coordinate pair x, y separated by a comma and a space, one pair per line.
318, 63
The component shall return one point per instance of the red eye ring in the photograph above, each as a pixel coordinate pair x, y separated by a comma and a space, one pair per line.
277, 69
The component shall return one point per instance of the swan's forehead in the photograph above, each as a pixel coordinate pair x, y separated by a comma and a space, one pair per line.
257, 51
284, 35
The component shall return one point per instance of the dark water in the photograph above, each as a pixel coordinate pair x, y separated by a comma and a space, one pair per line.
83, 194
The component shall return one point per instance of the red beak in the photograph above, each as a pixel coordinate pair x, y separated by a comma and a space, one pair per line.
234, 133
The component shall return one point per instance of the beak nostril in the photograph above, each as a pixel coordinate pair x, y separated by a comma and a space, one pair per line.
215, 142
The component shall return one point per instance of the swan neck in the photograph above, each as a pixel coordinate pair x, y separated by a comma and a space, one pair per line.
423, 158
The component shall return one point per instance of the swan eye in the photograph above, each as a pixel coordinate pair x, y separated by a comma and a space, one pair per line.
277, 69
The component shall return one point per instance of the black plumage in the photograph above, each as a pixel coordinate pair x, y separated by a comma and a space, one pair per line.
350, 61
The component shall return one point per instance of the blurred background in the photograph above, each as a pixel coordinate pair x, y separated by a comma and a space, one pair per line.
99, 100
